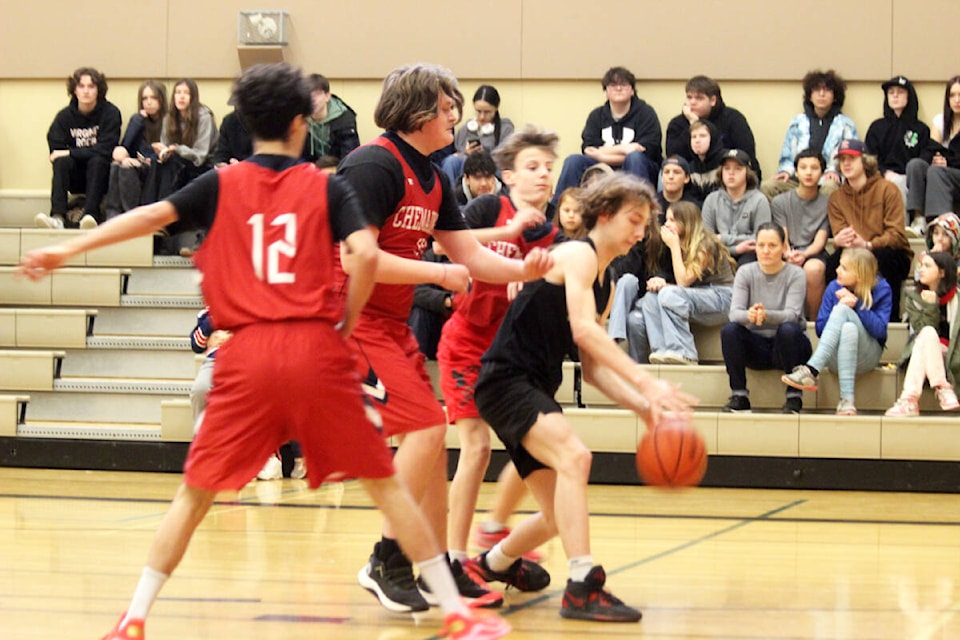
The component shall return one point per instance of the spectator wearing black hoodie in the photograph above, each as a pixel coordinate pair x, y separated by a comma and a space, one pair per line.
624, 133
333, 124
708, 152
898, 137
81, 140
234, 143
704, 102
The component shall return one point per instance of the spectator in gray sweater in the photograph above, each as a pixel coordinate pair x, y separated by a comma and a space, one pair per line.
767, 328
735, 211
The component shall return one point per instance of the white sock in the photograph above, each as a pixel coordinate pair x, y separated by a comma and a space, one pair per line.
498, 560
490, 526
579, 567
436, 572
457, 555
151, 581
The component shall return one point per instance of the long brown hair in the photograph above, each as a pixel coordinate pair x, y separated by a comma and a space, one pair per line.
699, 249
153, 127
182, 128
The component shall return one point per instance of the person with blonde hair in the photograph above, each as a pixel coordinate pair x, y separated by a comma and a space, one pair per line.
852, 325
703, 271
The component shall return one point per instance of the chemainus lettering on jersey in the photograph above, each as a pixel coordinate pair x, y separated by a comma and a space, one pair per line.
415, 218
506, 249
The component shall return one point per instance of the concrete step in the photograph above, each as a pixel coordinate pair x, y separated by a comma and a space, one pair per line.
131, 362
146, 321
120, 406
177, 281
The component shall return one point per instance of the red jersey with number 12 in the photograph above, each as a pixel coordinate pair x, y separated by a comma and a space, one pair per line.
269, 255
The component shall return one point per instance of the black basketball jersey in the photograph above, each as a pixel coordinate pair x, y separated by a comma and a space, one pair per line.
535, 335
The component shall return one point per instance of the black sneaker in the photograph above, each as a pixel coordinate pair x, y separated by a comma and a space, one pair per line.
793, 405
588, 600
392, 582
472, 589
522, 575
737, 404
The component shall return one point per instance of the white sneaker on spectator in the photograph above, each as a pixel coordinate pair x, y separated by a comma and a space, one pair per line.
299, 469
917, 228
44, 221
88, 222
272, 469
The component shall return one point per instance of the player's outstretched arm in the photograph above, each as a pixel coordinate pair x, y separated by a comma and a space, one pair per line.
137, 222
488, 266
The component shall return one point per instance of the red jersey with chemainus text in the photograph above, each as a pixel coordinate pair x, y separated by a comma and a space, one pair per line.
404, 233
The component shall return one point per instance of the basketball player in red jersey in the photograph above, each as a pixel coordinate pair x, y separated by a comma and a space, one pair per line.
510, 225
408, 200
269, 276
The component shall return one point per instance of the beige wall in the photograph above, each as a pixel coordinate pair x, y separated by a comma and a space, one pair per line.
542, 77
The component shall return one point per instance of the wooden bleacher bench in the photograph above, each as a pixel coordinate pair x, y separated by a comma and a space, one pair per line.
70, 286
14, 242
13, 412
46, 328
22, 370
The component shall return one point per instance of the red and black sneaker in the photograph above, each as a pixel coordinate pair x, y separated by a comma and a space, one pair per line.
473, 590
588, 600
522, 575
132, 630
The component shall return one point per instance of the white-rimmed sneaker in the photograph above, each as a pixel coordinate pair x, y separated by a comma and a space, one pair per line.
88, 222
272, 469
43, 221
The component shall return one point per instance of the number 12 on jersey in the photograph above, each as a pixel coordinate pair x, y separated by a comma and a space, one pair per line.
285, 247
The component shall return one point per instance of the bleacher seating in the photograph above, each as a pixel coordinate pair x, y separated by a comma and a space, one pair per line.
104, 355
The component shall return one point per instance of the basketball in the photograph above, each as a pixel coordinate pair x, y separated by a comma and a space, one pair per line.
673, 454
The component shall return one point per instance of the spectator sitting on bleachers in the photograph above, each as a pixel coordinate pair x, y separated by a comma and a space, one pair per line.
659, 325
943, 234
708, 152
624, 133
479, 177
897, 138
484, 132
568, 217
821, 126
931, 311
432, 306
946, 126
332, 125
134, 155
647, 263
767, 328
867, 211
234, 143
737, 209
704, 102
674, 180
852, 325
207, 340
185, 151
81, 140
802, 212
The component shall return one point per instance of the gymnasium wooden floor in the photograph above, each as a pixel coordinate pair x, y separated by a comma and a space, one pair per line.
278, 561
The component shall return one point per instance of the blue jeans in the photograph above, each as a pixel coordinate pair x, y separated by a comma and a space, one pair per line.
636, 163
628, 286
666, 317
452, 165
846, 347
743, 348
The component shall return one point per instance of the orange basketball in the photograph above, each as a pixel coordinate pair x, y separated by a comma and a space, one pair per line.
672, 455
